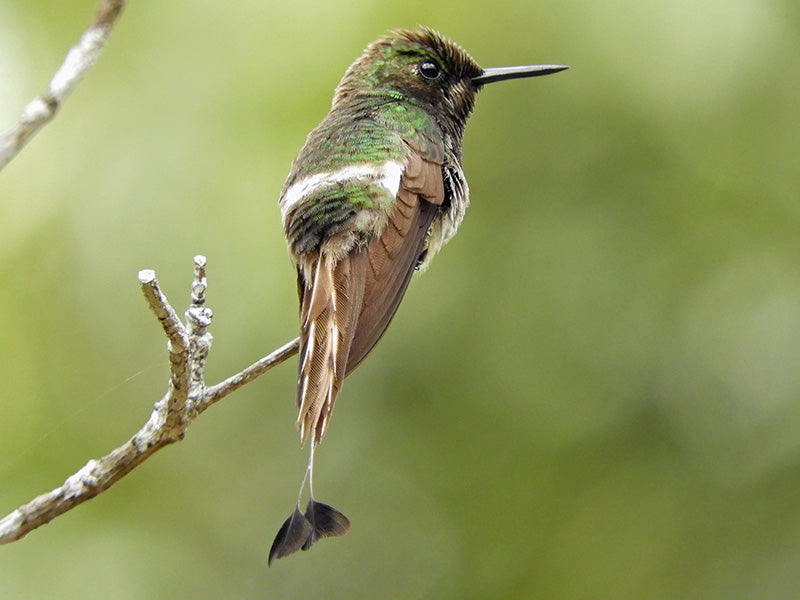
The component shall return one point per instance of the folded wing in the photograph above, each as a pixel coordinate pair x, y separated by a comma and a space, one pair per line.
347, 305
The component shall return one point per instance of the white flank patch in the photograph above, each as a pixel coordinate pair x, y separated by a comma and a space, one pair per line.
387, 175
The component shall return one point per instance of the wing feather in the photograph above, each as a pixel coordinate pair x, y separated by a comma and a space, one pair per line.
394, 254
347, 304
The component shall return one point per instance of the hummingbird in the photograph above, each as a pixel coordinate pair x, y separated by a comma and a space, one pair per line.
374, 193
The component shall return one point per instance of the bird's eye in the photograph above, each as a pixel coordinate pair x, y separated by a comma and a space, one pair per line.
429, 70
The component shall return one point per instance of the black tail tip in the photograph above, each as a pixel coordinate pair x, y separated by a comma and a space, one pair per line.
300, 531
291, 536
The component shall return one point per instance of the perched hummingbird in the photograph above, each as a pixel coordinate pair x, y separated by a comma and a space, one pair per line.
373, 194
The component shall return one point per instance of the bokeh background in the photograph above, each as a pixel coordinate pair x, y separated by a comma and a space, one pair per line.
593, 393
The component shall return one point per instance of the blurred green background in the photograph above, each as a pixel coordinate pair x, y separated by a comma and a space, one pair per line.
593, 393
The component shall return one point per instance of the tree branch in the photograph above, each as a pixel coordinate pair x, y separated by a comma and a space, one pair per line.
187, 396
41, 110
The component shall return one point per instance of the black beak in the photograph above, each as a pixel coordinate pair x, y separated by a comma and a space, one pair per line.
503, 73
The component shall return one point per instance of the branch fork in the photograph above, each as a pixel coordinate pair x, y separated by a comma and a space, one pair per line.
188, 345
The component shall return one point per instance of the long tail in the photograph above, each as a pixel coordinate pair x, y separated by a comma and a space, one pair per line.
330, 304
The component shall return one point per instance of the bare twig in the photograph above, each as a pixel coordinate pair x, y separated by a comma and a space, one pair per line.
39, 111
187, 396
234, 382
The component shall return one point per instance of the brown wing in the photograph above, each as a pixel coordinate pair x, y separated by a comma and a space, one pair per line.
345, 306
393, 255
